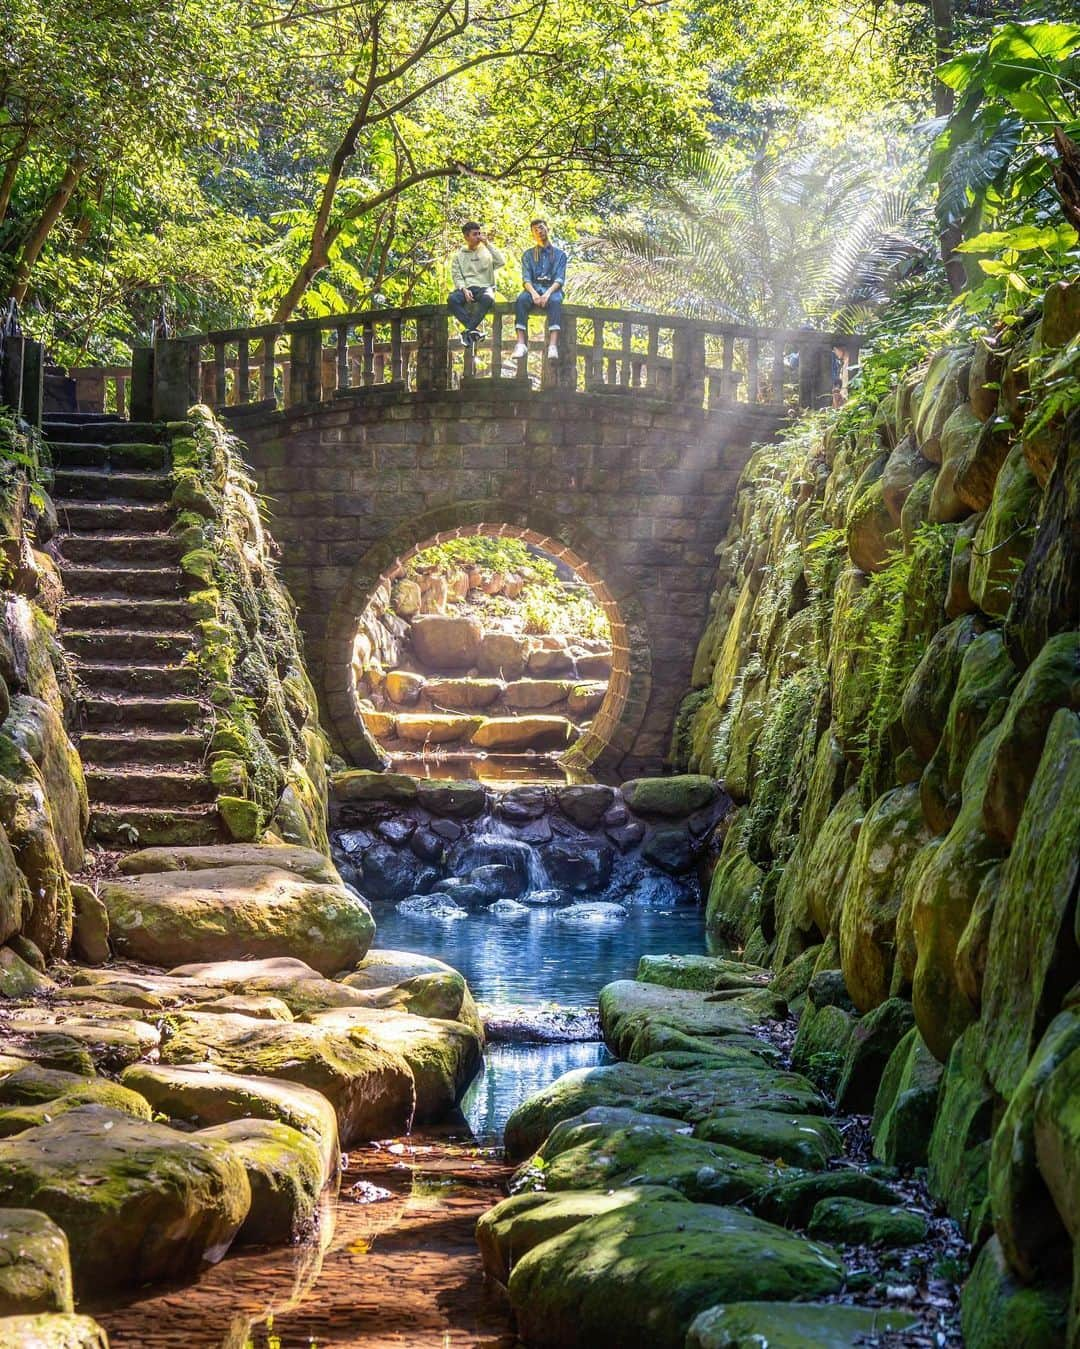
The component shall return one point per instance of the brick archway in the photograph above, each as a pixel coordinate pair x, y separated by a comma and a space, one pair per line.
615, 726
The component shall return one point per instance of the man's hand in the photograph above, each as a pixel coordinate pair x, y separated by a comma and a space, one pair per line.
468, 295
542, 300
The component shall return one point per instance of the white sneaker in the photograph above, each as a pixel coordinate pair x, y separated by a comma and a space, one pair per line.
553, 352
520, 351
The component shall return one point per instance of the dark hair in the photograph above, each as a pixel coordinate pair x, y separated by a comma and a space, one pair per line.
538, 221
469, 225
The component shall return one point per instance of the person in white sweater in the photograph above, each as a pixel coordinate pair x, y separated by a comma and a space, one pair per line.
473, 271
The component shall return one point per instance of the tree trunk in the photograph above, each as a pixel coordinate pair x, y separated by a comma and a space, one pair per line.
36, 241
11, 169
316, 261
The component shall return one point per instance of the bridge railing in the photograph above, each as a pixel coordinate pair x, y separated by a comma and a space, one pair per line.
613, 351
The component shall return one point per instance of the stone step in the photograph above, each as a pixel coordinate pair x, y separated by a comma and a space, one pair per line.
134, 826
100, 485
120, 517
151, 713
120, 550
140, 614
66, 430
121, 582
128, 644
148, 680
179, 749
127, 455
147, 786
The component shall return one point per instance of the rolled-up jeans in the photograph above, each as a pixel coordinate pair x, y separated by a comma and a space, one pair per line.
525, 305
471, 315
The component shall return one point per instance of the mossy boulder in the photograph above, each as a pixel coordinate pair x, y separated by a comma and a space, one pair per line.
35, 1086
18, 979
733, 906
1057, 1140
892, 833
904, 466
27, 820
821, 1044
918, 504
672, 797
1005, 535
284, 1170
138, 1202
873, 1040
51, 1330
626, 1004
706, 974
452, 800
38, 729
856, 1222
35, 1268
831, 853
872, 536
642, 1274
444, 643
301, 988
423, 985
433, 728
959, 1153
169, 918
906, 1103
793, 1325
203, 1096
805, 1141
958, 599
370, 1088
1052, 681
522, 733
1032, 952
80, 1038
998, 1311
361, 784
307, 863
792, 1199
90, 926
924, 709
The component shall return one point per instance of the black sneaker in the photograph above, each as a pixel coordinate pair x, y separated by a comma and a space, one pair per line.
477, 335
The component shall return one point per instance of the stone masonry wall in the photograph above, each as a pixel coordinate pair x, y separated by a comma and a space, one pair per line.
638, 490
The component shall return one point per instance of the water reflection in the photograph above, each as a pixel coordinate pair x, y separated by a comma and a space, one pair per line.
501, 771
513, 1073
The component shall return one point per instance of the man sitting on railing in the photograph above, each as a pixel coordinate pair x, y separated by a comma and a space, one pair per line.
543, 274
473, 272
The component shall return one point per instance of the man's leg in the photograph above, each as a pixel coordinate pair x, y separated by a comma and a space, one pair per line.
554, 309
456, 303
523, 307
482, 306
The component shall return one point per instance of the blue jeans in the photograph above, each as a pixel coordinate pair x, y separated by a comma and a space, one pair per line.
524, 305
460, 307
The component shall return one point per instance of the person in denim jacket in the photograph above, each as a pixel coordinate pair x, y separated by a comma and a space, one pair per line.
543, 275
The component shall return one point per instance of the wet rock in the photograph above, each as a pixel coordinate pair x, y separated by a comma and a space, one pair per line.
805, 1141
35, 1268
1000, 1312
159, 1202
397, 831
503, 654
523, 803
859, 1223
388, 874
285, 1173
580, 867
301, 988
434, 728
497, 881
586, 805
370, 1088
449, 830
959, 1153
544, 898
1004, 537
507, 1023
749, 1325
442, 643
625, 1006
305, 862
217, 914
51, 1330
672, 797
436, 906
452, 800
906, 1103
462, 892
792, 1199
704, 973
427, 845
594, 914
520, 733
658, 1264
626, 836
463, 695
90, 926
362, 784
671, 849
508, 908
511, 1229
202, 1096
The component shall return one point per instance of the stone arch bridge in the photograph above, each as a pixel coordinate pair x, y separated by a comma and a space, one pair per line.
373, 434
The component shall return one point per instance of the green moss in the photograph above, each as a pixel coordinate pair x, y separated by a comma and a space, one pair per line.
242, 818
199, 563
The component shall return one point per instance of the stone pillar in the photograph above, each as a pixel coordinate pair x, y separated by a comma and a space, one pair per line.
175, 379
688, 366
33, 381
12, 347
141, 388
432, 351
305, 366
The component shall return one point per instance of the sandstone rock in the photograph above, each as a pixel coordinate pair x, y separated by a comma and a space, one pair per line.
594, 666
749, 1325
586, 698
958, 599
503, 654
463, 695
872, 537
370, 1088
436, 729
39, 731
537, 693
959, 1152
403, 686
917, 507
517, 733
1057, 1140
821, 1044
805, 1141
860, 1223
792, 1200
905, 1103
35, 1268
221, 913
924, 707
904, 466
90, 926
24, 1091
284, 1170
987, 367
979, 462
941, 395
78, 1043
673, 797
27, 821
443, 643
18, 979
16, 901
295, 983
405, 597
626, 1005
137, 1201
1000, 1312
704, 973
305, 862
546, 663
830, 857
652, 1267
261, 1007
1005, 535
51, 1330
452, 800
202, 1096
873, 1039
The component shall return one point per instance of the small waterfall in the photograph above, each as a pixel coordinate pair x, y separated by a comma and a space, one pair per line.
496, 836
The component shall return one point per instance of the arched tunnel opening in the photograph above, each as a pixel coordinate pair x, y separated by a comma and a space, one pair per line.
493, 651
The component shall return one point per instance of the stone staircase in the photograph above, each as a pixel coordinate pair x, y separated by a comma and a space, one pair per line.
126, 624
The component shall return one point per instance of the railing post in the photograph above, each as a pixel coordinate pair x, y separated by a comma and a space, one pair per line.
432, 351
176, 379
141, 388
33, 381
568, 353
688, 365
305, 367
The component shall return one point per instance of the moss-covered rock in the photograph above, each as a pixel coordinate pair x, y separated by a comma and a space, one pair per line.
361, 784
997, 1311
792, 1199
80, 1038
793, 1325
648, 1270
625, 1005
36, 1086
1005, 535
706, 974
872, 536
27, 821
906, 1103
860, 1223
169, 918
874, 1037
958, 599
959, 1152
924, 708
825, 873
138, 1202
18, 979
733, 906
51, 1330
38, 729
284, 1170
672, 797
1032, 951
940, 396
35, 1268
805, 1141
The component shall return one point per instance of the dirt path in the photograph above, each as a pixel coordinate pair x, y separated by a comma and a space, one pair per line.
396, 1268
